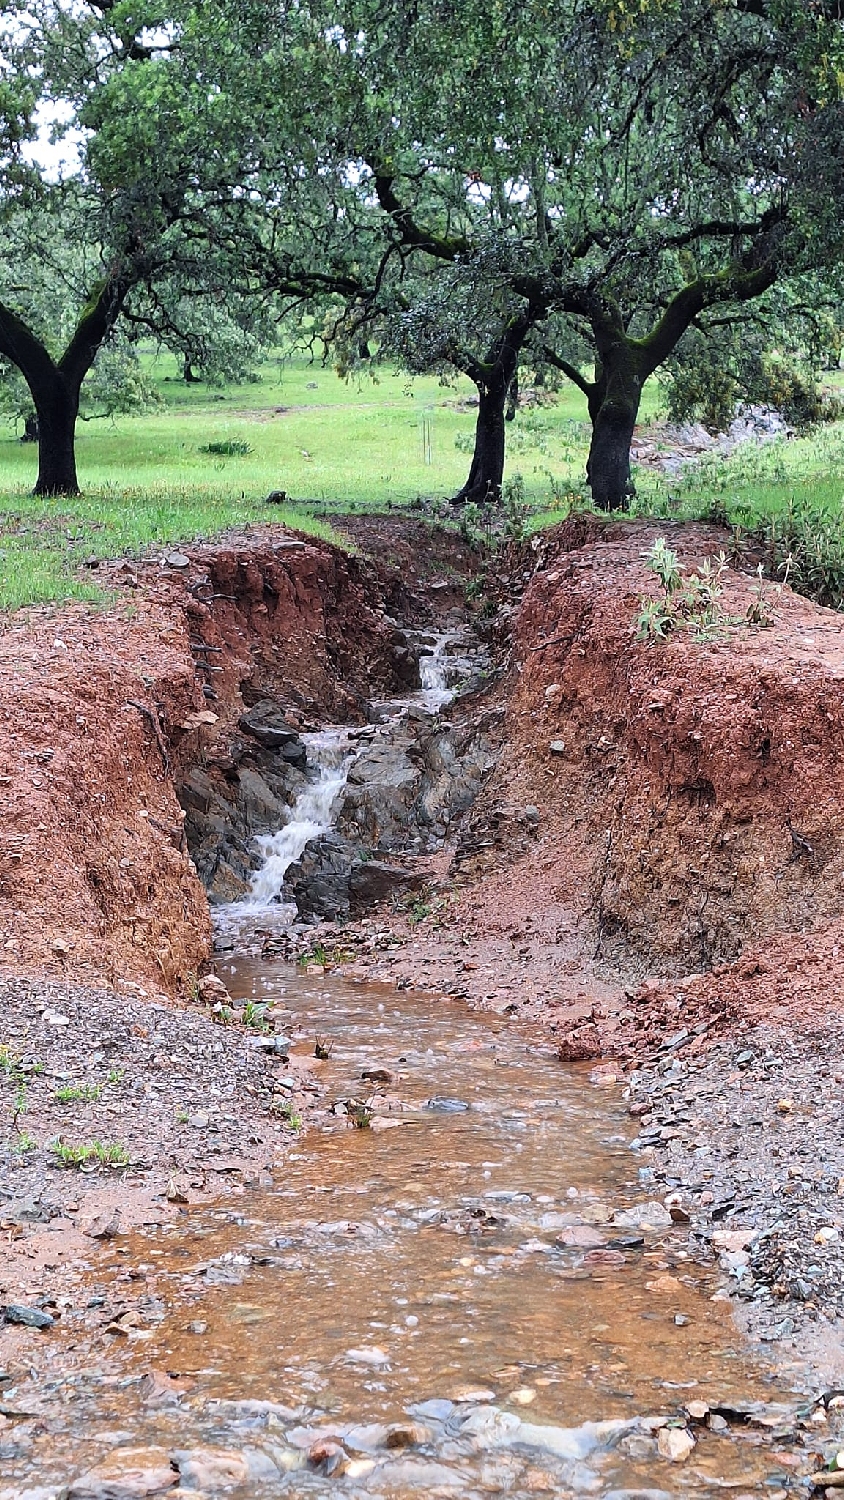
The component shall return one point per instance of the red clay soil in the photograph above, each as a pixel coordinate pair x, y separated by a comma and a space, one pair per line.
689, 794
99, 715
690, 801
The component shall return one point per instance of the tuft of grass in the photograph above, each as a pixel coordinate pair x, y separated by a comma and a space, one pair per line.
78, 1093
255, 1016
103, 1153
228, 448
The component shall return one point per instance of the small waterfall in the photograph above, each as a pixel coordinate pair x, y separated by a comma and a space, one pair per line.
331, 755
434, 693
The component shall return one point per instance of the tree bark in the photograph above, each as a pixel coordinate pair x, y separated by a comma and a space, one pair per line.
486, 475
57, 408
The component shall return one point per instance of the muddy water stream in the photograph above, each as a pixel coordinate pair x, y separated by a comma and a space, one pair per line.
456, 1298
395, 1303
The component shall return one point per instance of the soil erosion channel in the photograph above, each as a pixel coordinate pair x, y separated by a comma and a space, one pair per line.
459, 1284
447, 1300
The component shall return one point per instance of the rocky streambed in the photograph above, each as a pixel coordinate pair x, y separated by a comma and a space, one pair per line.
457, 1284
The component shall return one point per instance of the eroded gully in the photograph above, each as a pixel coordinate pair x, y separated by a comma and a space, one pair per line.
458, 1284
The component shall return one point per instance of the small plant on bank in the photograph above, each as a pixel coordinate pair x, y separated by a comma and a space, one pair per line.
688, 600
255, 1016
283, 1110
25, 1142
515, 508
316, 954
97, 1153
761, 609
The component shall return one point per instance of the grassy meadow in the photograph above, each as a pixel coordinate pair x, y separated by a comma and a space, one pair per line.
335, 446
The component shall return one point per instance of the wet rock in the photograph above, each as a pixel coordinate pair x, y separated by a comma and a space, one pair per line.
407, 1435
493, 1428
420, 1476
444, 1106
372, 881
638, 1495
329, 1456
129, 1474
215, 1468
266, 724
371, 1356
104, 1226
29, 1317
583, 1235
210, 988
436, 1410
651, 1215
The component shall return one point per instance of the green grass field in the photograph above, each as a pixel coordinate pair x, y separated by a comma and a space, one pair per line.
334, 446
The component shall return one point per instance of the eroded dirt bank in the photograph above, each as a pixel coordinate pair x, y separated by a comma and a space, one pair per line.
645, 860
175, 708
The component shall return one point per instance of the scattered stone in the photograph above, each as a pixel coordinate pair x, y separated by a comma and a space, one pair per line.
29, 1317
104, 1226
128, 1474
650, 1215
696, 1411
583, 1235
675, 1444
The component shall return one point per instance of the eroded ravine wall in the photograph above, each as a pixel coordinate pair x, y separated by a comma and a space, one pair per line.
695, 786
106, 712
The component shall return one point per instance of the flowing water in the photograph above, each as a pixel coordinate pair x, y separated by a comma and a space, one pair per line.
396, 1301
330, 755
431, 1293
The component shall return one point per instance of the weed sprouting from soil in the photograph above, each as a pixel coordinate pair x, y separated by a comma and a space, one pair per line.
255, 1016
81, 1093
93, 1153
688, 600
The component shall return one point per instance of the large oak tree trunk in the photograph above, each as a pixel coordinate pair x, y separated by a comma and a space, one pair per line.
57, 408
613, 409
486, 474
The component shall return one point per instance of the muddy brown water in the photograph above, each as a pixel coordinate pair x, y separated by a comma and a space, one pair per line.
411, 1271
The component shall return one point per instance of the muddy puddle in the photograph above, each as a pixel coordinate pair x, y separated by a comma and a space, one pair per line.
447, 1300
